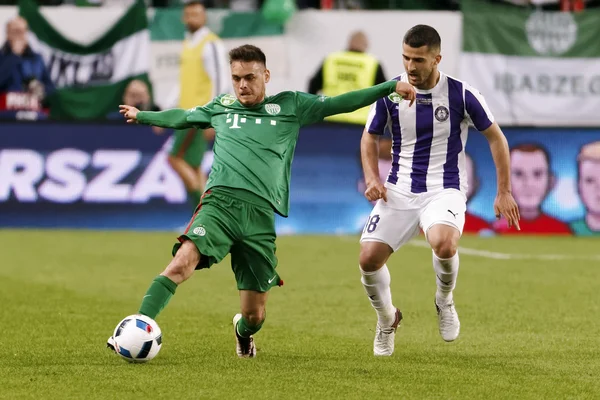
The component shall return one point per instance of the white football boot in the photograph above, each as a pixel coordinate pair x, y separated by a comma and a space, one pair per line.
383, 345
448, 321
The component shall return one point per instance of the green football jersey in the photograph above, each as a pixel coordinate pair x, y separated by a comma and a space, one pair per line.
254, 146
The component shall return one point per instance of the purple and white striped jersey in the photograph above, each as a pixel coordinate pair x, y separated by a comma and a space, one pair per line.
429, 138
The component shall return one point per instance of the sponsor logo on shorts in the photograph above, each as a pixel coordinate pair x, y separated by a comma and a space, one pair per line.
199, 230
272, 279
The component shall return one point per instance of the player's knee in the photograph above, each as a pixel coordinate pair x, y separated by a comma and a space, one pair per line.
254, 316
370, 259
184, 263
444, 248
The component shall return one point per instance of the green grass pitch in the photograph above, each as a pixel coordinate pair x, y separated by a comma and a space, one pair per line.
530, 326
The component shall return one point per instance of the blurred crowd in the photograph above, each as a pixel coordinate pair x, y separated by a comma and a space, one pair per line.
574, 5
25, 82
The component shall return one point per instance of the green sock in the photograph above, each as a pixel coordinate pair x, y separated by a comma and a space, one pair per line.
158, 295
244, 329
194, 196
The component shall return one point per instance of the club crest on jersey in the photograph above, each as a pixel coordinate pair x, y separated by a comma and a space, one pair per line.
199, 230
395, 98
273, 109
228, 100
441, 113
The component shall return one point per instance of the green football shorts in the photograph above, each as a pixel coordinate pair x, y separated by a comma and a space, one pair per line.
190, 145
239, 222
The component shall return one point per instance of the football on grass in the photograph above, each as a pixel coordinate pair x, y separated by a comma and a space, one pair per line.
137, 338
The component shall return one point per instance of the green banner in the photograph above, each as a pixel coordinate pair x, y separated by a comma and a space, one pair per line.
516, 31
534, 67
167, 24
91, 78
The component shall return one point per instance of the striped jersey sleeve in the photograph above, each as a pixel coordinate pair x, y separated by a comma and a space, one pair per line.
379, 117
477, 109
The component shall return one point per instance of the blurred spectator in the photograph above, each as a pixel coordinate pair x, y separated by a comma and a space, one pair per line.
21, 69
204, 74
136, 94
358, 44
348, 70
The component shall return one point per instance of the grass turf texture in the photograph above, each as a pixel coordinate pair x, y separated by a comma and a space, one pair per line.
529, 327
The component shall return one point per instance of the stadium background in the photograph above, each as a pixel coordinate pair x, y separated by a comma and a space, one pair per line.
527, 304
326, 171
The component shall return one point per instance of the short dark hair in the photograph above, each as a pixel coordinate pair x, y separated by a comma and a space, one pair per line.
247, 53
423, 35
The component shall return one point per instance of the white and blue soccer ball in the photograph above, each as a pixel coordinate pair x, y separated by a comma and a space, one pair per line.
137, 338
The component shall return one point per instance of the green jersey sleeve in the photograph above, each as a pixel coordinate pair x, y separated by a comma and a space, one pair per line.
312, 108
201, 116
178, 118
174, 118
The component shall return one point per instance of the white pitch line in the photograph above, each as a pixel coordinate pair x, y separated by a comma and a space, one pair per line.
510, 256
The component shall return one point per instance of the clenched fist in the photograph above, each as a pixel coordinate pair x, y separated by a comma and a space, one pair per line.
376, 191
407, 91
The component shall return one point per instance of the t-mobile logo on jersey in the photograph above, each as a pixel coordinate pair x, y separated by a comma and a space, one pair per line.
236, 119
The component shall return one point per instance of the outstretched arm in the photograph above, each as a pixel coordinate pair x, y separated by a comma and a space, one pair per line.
356, 99
175, 118
313, 108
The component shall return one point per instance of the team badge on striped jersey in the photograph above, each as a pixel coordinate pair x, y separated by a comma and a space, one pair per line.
273, 109
441, 113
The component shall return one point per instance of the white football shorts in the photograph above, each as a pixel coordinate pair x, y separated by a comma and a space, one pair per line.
398, 220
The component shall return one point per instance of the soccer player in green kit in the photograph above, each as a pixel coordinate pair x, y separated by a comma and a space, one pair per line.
255, 140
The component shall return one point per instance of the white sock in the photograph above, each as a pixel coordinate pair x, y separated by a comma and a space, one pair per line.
377, 286
446, 271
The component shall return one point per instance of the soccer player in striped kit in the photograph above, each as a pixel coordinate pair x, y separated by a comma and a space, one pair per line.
426, 186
